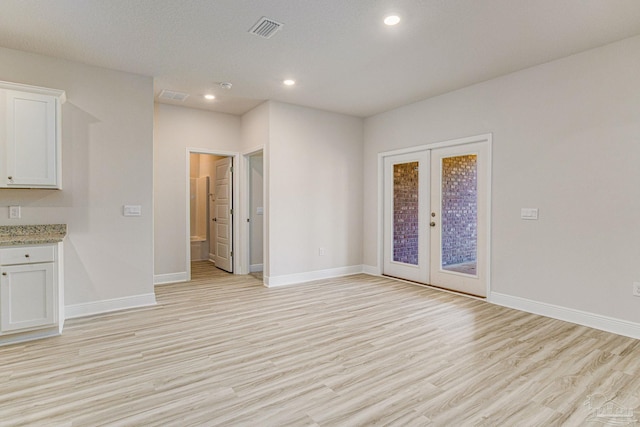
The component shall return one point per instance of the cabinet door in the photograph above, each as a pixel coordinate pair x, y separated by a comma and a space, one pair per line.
27, 296
31, 140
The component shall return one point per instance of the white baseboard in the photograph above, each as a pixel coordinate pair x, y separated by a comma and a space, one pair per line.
29, 336
371, 270
253, 268
291, 279
165, 279
105, 306
584, 318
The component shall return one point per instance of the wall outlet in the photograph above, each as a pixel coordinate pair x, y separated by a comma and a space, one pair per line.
14, 212
529, 213
636, 289
321, 251
132, 210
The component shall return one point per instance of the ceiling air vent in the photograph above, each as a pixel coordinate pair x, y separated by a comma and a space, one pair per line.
265, 28
173, 96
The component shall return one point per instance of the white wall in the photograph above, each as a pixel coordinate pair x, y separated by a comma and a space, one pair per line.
255, 128
107, 131
315, 190
175, 130
566, 139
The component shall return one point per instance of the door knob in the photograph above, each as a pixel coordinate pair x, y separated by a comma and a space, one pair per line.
433, 224
215, 219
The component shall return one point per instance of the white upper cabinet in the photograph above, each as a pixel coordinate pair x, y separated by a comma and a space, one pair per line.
30, 143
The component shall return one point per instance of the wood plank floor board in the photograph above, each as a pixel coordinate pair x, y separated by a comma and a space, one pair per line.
223, 350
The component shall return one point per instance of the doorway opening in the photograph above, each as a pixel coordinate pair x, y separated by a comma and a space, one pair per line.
210, 231
255, 215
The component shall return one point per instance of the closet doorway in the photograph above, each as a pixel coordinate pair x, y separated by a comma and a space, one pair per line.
255, 217
436, 215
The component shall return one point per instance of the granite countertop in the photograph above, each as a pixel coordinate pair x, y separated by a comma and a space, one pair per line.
12, 235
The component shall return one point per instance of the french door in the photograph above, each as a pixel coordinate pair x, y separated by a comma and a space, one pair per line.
436, 217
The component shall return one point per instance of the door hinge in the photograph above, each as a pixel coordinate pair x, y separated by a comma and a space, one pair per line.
231, 169
231, 254
231, 212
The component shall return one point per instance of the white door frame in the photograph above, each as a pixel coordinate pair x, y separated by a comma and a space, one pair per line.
486, 138
245, 253
236, 197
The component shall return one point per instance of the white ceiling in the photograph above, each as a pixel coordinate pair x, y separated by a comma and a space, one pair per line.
342, 56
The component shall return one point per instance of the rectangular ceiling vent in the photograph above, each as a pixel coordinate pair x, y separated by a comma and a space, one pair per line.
172, 95
265, 28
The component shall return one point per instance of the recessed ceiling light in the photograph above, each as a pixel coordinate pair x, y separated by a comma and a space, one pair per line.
209, 97
392, 19
289, 82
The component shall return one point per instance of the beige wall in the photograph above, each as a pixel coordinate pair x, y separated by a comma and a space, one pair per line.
107, 131
176, 129
315, 190
566, 141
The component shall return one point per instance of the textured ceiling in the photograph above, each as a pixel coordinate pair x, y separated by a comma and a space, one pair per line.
342, 56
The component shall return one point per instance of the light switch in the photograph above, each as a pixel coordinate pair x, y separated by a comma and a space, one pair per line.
529, 213
14, 212
132, 210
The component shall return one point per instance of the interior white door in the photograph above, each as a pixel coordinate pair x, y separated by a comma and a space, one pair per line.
406, 216
459, 218
223, 218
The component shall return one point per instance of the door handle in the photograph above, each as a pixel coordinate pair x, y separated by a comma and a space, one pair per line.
215, 220
433, 224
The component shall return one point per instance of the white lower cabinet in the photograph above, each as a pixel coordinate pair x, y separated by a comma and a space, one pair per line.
29, 292
28, 296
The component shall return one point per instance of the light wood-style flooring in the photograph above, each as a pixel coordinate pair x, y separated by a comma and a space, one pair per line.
223, 350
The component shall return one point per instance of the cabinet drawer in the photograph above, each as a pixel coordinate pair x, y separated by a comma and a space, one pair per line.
26, 255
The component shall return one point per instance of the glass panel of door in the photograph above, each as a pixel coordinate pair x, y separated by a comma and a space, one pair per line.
405, 212
459, 214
